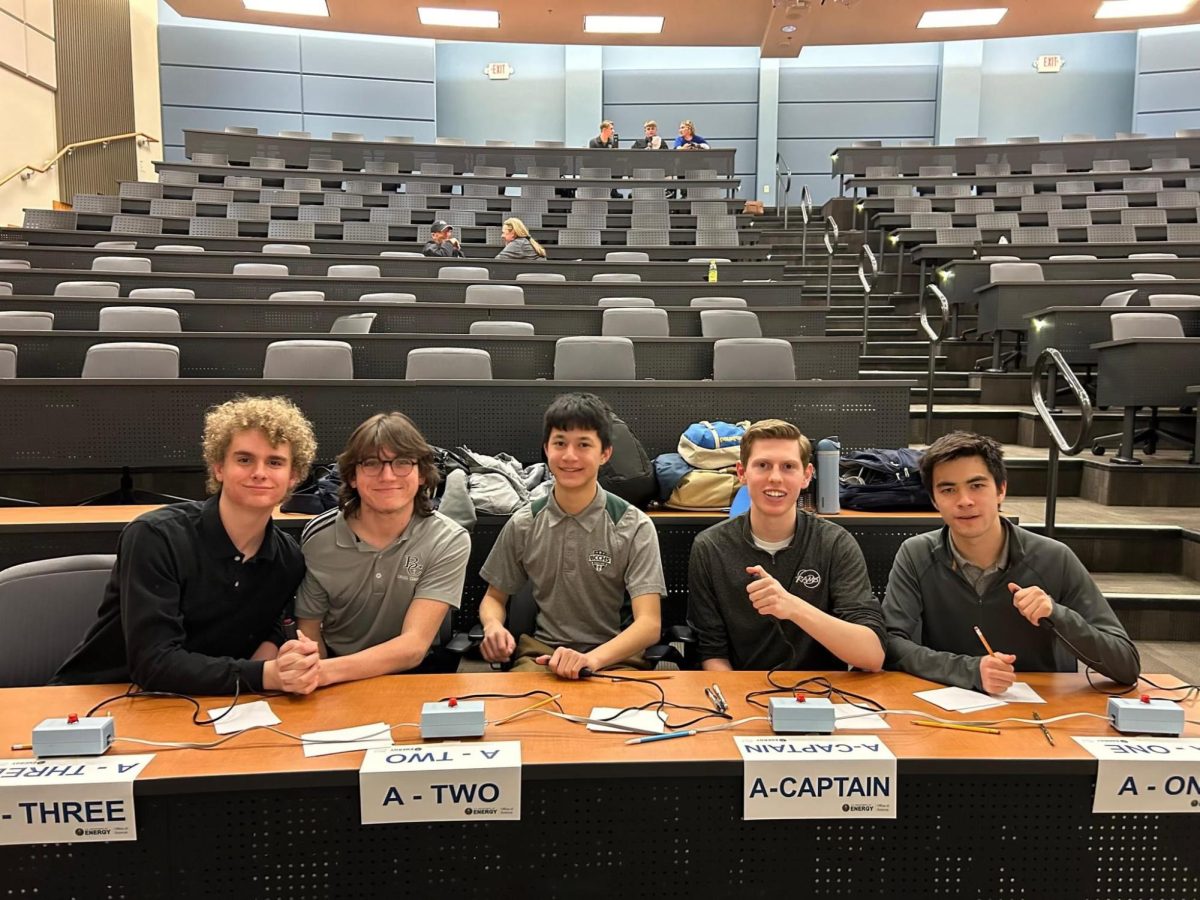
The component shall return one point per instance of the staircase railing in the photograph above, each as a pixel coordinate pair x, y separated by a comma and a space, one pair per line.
868, 274
806, 208
1049, 361
936, 336
783, 178
29, 170
831, 238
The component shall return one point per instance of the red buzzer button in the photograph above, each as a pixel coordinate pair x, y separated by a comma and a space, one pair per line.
452, 702
72, 719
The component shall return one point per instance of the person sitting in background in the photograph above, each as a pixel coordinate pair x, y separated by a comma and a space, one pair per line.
651, 140
688, 139
442, 241
517, 242
606, 140
199, 588
1029, 595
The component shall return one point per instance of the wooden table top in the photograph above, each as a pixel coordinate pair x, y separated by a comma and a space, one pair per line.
552, 746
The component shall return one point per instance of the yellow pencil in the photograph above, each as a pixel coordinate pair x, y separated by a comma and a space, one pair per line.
521, 712
956, 727
983, 640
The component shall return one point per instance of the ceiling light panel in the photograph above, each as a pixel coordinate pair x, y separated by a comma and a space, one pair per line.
961, 18
459, 18
623, 24
1122, 9
289, 7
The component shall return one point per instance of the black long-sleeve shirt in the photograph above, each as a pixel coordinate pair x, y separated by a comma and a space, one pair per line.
182, 611
445, 248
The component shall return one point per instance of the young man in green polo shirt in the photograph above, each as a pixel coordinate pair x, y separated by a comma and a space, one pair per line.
583, 550
383, 568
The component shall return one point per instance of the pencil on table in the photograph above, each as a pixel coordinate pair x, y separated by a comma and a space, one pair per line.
956, 727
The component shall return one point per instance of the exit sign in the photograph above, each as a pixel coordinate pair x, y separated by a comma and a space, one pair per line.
1049, 63
498, 71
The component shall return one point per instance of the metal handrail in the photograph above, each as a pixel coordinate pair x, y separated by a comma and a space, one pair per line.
29, 170
868, 274
806, 206
831, 228
1050, 356
783, 176
935, 347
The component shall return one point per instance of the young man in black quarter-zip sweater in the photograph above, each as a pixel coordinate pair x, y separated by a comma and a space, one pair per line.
1029, 595
776, 588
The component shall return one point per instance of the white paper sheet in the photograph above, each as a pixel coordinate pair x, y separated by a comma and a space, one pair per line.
956, 699
243, 716
645, 719
1020, 692
861, 720
358, 737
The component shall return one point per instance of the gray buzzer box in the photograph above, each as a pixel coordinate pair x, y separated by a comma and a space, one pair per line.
813, 715
73, 736
441, 720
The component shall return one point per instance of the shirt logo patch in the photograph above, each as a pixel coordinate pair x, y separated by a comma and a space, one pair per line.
413, 567
810, 578
600, 560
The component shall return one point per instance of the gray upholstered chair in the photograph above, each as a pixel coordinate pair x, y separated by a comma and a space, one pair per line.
139, 318
729, 323
592, 358
305, 360
495, 295
354, 323
131, 359
87, 289
753, 359
443, 363
48, 606
494, 326
632, 322
162, 293
26, 320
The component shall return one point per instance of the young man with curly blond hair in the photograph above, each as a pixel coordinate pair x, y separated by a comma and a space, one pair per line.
198, 589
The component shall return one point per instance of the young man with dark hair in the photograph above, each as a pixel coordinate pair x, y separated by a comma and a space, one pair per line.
582, 549
776, 588
198, 589
1029, 595
606, 140
384, 567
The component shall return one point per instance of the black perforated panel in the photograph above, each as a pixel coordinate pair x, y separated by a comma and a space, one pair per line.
1153, 372
153, 424
972, 835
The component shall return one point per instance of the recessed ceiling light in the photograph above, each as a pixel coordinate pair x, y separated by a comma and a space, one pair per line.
961, 18
289, 7
1121, 9
459, 18
623, 24
788, 29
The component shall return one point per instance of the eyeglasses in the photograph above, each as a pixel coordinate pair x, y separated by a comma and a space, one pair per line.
374, 466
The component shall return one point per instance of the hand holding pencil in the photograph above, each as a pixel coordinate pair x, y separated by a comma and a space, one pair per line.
996, 672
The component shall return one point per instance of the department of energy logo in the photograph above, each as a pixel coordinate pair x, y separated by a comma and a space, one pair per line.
600, 560
810, 578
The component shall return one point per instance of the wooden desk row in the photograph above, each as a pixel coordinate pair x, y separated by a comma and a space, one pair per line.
977, 814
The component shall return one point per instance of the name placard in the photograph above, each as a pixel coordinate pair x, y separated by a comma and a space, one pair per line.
441, 783
1145, 775
817, 778
69, 800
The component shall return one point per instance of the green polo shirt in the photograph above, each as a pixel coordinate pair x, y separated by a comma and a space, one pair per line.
361, 594
580, 566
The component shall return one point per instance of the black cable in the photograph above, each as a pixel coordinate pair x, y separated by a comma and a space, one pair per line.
813, 686
659, 706
133, 694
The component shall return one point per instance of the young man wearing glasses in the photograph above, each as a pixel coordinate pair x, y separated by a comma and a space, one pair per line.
384, 567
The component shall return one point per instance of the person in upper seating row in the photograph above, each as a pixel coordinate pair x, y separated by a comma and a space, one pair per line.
606, 140
517, 242
442, 241
1029, 595
582, 550
650, 139
777, 588
384, 568
198, 590
688, 139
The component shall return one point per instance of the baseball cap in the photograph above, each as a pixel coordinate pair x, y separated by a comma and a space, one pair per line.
440, 225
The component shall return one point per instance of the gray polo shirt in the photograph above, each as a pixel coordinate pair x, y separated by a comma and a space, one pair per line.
581, 566
980, 579
361, 594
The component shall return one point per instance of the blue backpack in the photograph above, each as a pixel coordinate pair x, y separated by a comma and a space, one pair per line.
883, 480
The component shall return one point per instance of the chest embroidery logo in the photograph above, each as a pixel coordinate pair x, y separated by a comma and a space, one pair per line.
600, 560
810, 578
413, 567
